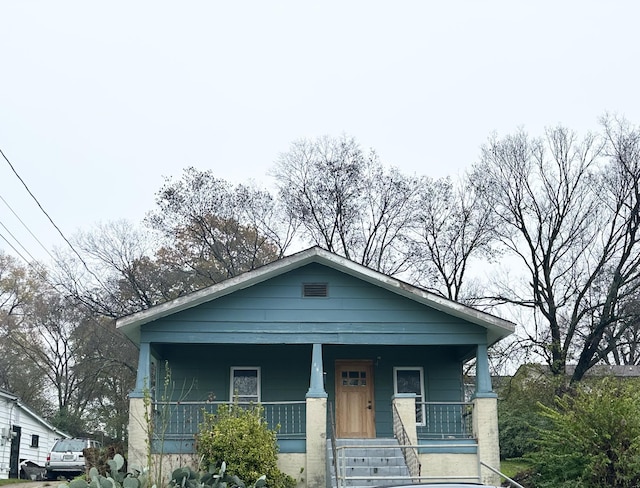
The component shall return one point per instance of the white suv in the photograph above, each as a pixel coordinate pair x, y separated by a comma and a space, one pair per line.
67, 457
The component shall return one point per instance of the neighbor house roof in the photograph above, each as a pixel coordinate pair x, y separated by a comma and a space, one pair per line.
497, 328
596, 371
13, 398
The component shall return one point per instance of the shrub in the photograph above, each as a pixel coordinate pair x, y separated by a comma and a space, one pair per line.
593, 439
241, 437
519, 418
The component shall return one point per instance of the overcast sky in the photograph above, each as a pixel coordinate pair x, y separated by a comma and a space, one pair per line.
100, 100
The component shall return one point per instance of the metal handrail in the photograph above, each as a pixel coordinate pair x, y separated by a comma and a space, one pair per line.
513, 483
413, 479
333, 443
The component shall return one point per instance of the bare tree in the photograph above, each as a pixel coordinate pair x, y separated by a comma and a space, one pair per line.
347, 202
17, 288
621, 343
213, 230
76, 354
570, 214
454, 228
132, 276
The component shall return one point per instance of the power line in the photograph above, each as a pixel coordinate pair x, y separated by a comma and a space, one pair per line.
57, 228
69, 291
28, 230
54, 286
17, 241
13, 247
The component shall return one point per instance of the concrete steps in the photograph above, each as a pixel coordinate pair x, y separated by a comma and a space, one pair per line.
372, 462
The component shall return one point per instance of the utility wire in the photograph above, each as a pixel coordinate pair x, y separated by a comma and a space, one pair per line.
16, 240
69, 291
65, 296
14, 248
57, 228
26, 227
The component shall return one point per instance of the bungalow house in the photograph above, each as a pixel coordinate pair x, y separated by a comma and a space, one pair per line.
25, 438
337, 354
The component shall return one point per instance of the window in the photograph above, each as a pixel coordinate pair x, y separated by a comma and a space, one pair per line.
35, 440
245, 384
410, 380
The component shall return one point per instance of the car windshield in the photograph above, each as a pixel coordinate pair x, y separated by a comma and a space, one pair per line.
65, 445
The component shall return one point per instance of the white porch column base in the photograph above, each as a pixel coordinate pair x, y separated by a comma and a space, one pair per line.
485, 429
316, 470
138, 434
405, 404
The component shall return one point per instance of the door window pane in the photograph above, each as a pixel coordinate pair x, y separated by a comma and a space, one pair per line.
354, 378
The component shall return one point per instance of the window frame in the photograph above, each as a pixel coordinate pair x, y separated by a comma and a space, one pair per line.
35, 440
232, 395
419, 397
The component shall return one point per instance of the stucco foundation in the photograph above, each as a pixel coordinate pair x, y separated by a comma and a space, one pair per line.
449, 467
294, 464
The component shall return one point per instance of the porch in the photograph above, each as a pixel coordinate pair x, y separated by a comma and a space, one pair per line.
175, 424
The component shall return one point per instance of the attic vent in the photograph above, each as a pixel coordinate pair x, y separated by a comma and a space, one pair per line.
314, 290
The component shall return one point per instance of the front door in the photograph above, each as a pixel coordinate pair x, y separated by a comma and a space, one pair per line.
355, 410
14, 455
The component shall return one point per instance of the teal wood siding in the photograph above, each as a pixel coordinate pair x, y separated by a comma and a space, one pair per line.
202, 371
442, 374
355, 312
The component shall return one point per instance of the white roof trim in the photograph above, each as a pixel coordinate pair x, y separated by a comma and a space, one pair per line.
19, 403
498, 328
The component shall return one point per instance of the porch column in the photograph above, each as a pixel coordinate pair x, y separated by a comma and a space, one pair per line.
316, 384
485, 418
139, 411
144, 371
139, 418
483, 376
405, 406
316, 444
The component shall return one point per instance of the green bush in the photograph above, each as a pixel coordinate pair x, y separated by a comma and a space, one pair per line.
241, 437
519, 418
593, 439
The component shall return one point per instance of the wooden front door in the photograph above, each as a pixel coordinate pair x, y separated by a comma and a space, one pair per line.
355, 410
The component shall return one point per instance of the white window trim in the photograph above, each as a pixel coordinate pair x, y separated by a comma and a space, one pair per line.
395, 386
236, 368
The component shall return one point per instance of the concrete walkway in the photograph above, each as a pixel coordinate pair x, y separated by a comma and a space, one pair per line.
32, 484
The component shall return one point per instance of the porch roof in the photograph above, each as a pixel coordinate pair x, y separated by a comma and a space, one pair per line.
496, 327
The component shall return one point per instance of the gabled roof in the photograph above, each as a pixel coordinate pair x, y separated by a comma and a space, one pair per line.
497, 328
13, 398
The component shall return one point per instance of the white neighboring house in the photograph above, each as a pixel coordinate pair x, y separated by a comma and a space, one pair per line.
24, 436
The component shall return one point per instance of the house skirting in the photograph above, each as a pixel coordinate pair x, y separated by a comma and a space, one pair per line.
449, 467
